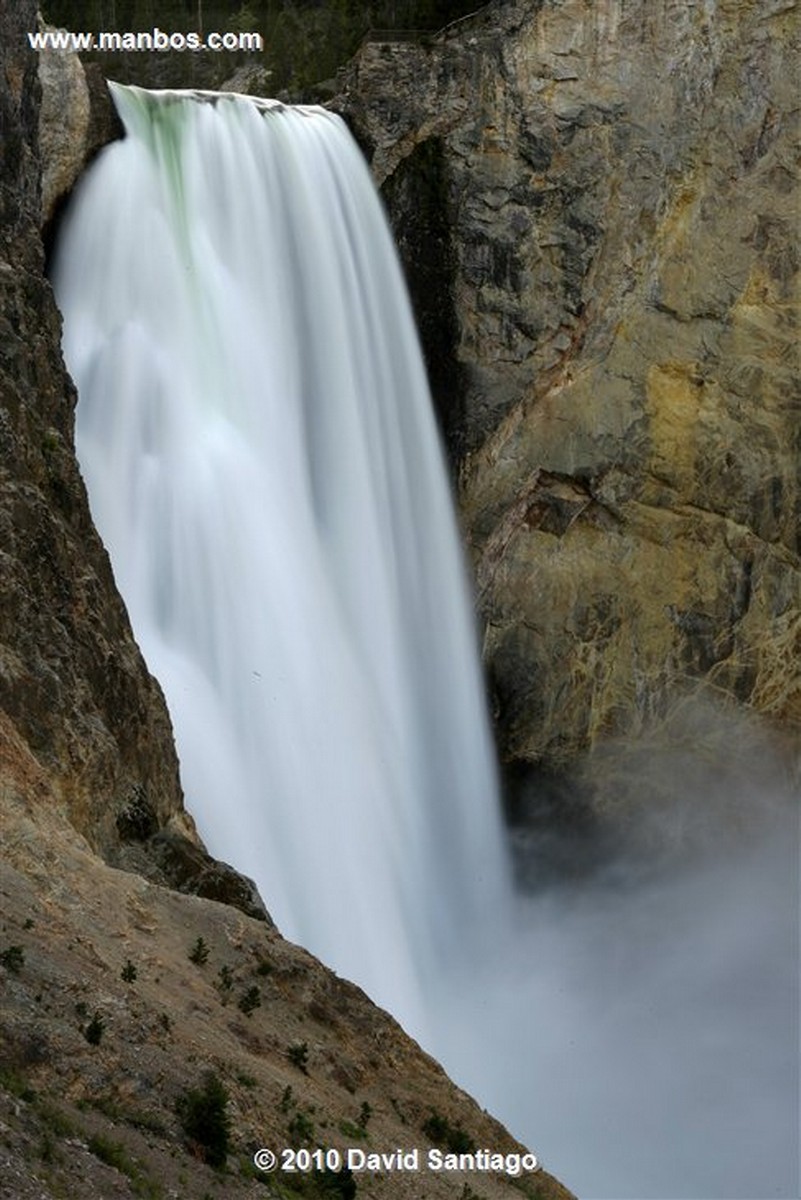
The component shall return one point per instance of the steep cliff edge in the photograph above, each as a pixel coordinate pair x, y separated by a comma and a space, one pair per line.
614, 299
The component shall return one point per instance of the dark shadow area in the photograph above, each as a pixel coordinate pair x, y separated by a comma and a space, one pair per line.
416, 196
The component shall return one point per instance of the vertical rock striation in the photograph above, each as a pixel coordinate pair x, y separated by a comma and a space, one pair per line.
620, 308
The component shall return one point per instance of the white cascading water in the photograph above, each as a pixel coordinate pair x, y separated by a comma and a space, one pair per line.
256, 435
257, 439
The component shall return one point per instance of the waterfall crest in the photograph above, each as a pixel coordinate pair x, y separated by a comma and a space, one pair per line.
261, 459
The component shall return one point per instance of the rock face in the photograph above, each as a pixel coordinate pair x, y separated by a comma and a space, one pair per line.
63, 125
616, 311
76, 119
72, 680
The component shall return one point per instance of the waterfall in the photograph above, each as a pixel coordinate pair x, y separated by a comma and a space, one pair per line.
261, 459
262, 463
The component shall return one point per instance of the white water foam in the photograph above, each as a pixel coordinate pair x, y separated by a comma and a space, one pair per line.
256, 435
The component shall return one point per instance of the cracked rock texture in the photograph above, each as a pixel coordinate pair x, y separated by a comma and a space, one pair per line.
598, 210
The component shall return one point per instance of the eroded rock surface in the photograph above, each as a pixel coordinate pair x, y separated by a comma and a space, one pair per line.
619, 305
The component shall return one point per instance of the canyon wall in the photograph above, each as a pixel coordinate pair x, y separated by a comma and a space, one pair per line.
73, 685
597, 206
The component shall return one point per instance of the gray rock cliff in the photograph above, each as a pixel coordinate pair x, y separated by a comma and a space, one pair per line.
610, 313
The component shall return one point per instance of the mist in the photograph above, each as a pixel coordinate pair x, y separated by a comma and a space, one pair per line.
639, 1027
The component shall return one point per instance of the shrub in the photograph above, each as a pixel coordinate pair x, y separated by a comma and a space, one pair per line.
13, 959
336, 1183
300, 1128
55, 1121
352, 1132
199, 953
250, 1000
94, 1030
203, 1113
298, 1055
128, 972
47, 1149
440, 1131
16, 1083
113, 1154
